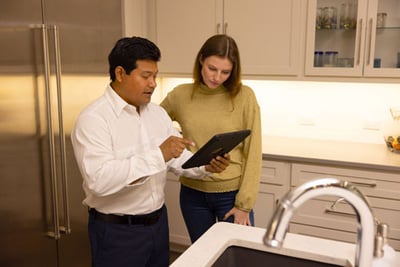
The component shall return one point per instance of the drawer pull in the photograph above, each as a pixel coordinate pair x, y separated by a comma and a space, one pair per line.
340, 213
332, 210
371, 185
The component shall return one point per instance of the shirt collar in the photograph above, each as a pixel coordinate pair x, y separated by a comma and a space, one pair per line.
117, 103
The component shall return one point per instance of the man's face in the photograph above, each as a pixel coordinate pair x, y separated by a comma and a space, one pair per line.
137, 87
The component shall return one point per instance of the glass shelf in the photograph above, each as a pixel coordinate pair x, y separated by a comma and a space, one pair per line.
353, 29
389, 28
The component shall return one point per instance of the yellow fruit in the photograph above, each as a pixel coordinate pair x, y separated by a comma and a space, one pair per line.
395, 143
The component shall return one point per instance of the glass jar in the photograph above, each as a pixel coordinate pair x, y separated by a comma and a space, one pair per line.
319, 18
381, 20
318, 59
329, 18
330, 58
346, 16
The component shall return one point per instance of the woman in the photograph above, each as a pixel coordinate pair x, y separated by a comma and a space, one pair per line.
217, 102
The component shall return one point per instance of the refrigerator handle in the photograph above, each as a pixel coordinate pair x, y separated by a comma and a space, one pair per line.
64, 178
46, 58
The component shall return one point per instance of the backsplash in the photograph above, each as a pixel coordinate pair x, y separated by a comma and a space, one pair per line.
355, 112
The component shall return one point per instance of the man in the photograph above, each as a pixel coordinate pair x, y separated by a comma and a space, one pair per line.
124, 145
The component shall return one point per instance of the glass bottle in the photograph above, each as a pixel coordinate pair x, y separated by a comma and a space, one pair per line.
318, 59
330, 59
381, 20
346, 16
330, 18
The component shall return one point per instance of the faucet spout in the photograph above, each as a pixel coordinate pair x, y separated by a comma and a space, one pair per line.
277, 228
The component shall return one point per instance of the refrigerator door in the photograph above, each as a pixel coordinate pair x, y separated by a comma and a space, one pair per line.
87, 32
26, 200
53, 62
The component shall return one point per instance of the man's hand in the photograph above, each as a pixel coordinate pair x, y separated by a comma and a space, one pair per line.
173, 147
218, 164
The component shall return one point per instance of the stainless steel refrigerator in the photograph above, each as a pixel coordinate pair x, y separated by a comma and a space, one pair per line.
53, 62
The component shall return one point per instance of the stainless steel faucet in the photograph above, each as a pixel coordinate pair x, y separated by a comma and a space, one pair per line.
279, 222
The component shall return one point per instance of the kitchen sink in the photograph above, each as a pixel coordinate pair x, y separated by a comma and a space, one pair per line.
235, 256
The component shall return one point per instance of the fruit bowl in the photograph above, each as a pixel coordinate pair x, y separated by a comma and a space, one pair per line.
393, 143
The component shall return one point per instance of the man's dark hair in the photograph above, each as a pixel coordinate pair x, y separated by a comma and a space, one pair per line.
128, 50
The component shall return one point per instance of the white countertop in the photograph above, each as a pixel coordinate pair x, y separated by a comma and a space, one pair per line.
364, 155
222, 235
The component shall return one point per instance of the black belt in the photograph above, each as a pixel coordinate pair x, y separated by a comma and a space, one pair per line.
146, 219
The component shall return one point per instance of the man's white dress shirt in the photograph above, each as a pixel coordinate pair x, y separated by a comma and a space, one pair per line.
117, 151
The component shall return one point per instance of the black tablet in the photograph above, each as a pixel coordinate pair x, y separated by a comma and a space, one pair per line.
218, 145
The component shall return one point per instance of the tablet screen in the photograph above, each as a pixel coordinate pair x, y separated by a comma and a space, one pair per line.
218, 145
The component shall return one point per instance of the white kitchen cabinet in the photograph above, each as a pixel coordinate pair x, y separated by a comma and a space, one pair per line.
267, 33
178, 233
274, 183
319, 217
364, 47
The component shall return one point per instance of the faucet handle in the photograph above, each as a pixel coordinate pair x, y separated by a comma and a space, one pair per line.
382, 232
378, 247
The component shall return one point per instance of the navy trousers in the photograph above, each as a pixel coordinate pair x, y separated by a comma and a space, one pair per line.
129, 245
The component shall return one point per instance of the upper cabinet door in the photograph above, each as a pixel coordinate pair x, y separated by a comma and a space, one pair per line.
356, 38
181, 27
383, 52
267, 33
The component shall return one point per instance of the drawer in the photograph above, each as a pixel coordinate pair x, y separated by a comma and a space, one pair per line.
320, 232
275, 173
264, 208
371, 183
320, 213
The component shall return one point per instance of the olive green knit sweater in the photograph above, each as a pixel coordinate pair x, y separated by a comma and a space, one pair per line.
210, 111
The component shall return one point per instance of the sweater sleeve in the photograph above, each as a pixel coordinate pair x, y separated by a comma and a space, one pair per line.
252, 154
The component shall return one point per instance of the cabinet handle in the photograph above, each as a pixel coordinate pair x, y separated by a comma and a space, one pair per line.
332, 209
371, 185
225, 28
359, 42
347, 214
370, 42
218, 26
340, 213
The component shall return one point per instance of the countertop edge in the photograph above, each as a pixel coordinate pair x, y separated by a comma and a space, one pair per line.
330, 152
221, 235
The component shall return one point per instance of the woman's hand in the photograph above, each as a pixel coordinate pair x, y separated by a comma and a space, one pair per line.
218, 164
239, 216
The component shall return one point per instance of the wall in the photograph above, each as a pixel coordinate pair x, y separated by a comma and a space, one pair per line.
356, 112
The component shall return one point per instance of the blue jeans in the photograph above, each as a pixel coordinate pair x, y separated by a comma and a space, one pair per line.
201, 210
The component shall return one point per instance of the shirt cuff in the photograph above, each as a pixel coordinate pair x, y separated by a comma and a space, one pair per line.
203, 169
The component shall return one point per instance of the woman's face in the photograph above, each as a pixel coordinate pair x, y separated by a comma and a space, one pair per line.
215, 70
